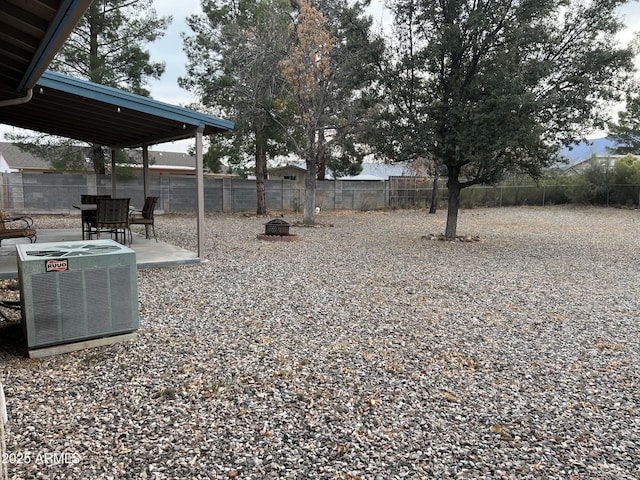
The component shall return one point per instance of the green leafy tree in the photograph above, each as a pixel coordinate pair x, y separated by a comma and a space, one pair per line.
232, 65
107, 47
594, 184
627, 170
627, 180
500, 85
213, 157
626, 132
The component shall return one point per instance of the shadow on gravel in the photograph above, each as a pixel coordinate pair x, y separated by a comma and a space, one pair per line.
12, 341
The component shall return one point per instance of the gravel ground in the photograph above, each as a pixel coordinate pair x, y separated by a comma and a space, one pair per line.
366, 350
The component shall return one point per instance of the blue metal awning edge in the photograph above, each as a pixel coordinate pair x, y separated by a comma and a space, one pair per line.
128, 100
65, 20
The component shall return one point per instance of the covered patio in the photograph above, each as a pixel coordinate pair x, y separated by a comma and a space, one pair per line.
33, 98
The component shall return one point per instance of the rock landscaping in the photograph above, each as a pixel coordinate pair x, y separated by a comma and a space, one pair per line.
361, 351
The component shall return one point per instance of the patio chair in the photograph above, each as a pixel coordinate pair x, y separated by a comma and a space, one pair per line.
145, 217
20, 227
112, 216
89, 216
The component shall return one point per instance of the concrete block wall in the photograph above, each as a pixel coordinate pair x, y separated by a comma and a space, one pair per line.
58, 192
51, 192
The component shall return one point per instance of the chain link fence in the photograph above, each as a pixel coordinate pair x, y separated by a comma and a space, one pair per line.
411, 192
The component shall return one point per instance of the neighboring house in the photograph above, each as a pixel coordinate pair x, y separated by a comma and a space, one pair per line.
604, 160
13, 159
296, 171
291, 172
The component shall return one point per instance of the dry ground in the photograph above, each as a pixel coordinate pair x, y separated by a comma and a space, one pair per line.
365, 350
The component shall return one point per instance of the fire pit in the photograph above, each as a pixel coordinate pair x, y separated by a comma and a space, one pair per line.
276, 227
277, 230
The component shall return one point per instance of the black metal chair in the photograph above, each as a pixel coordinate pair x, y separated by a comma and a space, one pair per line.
145, 217
89, 216
112, 215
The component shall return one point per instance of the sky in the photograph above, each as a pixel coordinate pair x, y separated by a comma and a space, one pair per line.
169, 50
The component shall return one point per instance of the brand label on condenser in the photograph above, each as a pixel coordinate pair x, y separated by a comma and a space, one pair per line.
57, 265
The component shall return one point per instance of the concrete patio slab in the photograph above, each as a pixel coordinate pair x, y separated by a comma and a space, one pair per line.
149, 253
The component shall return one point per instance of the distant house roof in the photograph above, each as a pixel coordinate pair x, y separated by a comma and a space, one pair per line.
17, 160
370, 171
594, 159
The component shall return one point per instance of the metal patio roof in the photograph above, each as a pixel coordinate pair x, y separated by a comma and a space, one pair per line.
31, 33
82, 110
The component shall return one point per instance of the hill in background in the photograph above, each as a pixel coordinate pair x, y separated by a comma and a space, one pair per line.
585, 150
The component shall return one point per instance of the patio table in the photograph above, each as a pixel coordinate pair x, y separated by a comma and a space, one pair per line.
86, 207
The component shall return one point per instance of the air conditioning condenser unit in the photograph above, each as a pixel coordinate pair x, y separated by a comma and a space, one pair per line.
76, 291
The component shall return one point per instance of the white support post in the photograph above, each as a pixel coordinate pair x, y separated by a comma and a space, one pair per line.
146, 183
200, 191
113, 173
145, 171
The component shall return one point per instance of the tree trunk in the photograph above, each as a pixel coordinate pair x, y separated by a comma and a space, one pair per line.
261, 164
434, 194
453, 204
309, 215
95, 62
97, 159
310, 182
322, 160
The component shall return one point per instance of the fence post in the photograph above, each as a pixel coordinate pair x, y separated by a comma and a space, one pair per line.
544, 194
227, 195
